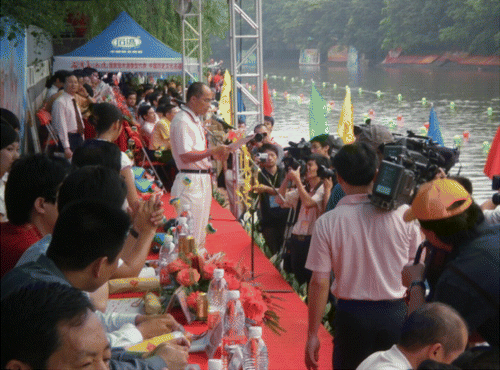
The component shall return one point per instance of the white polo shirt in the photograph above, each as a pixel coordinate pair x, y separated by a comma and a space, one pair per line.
366, 247
186, 135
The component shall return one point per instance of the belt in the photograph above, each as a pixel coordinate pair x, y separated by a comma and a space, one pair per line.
301, 237
195, 171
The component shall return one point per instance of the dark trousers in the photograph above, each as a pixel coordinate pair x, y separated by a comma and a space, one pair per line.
365, 327
273, 234
298, 247
75, 140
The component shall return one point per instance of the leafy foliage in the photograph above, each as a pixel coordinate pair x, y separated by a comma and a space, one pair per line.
372, 26
157, 17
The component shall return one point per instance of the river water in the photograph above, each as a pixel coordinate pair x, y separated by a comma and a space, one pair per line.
471, 92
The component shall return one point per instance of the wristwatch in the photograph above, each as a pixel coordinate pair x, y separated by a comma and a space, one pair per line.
419, 283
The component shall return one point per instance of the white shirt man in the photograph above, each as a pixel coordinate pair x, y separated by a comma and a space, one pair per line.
192, 158
67, 118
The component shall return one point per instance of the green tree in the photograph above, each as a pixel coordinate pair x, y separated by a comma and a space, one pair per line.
157, 17
475, 26
363, 29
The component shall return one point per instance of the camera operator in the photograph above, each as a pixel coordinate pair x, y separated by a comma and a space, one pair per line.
491, 209
365, 247
462, 266
273, 218
374, 136
308, 198
266, 139
322, 144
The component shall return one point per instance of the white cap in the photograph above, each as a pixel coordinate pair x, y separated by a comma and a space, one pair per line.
233, 294
214, 364
255, 332
182, 220
169, 239
218, 273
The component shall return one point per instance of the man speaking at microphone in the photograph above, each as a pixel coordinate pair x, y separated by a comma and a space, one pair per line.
193, 184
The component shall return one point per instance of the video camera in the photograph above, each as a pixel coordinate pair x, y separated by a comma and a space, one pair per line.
297, 155
409, 162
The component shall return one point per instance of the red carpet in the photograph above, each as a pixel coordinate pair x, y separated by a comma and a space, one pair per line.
285, 351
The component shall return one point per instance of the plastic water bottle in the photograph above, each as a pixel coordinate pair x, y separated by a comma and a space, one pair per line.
234, 319
182, 226
234, 328
186, 212
255, 351
217, 295
214, 364
166, 256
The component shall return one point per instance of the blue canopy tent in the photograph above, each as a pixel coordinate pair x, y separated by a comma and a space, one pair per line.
124, 46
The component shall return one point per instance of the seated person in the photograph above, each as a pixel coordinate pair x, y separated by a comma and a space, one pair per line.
161, 133
148, 120
131, 101
433, 332
308, 198
31, 204
160, 141
69, 261
58, 329
273, 218
106, 185
9, 152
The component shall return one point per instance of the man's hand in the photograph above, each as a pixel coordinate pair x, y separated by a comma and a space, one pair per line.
152, 326
68, 153
412, 273
312, 352
174, 355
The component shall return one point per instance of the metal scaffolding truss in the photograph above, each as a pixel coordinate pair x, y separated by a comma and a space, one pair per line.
192, 49
247, 72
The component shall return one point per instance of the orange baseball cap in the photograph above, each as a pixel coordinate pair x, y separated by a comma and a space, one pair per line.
436, 200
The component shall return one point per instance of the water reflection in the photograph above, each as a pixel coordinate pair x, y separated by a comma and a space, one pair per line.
471, 93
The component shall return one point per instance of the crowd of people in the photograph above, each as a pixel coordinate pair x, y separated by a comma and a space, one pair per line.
413, 287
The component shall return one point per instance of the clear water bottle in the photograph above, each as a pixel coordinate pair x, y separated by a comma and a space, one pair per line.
186, 212
166, 256
234, 319
234, 329
214, 364
255, 351
182, 227
217, 296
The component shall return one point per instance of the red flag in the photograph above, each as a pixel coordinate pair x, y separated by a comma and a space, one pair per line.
492, 166
268, 103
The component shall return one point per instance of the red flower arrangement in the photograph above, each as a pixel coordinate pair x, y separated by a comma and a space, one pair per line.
188, 277
177, 266
194, 273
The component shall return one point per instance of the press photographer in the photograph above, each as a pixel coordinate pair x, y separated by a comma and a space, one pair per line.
307, 198
272, 217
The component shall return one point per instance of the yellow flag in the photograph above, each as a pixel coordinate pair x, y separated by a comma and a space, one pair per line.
346, 122
225, 102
